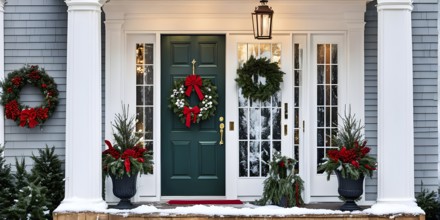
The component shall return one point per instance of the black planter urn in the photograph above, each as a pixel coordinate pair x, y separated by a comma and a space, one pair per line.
124, 188
350, 190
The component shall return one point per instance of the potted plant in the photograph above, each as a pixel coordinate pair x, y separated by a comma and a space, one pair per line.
283, 187
127, 158
350, 161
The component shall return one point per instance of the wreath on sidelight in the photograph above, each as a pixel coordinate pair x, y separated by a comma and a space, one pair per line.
206, 93
24, 115
248, 76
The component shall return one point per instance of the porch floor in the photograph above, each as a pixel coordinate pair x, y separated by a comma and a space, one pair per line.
112, 214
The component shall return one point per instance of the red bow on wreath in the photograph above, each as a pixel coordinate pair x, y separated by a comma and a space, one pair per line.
196, 82
187, 112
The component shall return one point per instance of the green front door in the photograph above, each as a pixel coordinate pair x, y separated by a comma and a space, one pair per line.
192, 160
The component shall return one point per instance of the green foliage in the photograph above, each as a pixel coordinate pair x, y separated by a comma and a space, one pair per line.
428, 201
351, 155
127, 156
208, 106
47, 172
248, 81
282, 183
7, 189
30, 201
124, 130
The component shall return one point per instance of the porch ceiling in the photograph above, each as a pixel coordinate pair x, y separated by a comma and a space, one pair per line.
289, 14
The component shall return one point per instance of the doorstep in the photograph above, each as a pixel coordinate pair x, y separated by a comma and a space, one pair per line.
158, 214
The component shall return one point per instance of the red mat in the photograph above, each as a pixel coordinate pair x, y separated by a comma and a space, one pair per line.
205, 202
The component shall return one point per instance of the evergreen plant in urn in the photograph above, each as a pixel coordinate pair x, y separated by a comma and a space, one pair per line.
282, 187
350, 161
126, 158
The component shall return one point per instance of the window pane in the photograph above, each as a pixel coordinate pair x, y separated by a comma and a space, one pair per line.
243, 158
149, 54
334, 53
149, 75
320, 54
254, 158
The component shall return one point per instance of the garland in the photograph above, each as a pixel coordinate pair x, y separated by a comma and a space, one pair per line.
248, 76
24, 115
206, 93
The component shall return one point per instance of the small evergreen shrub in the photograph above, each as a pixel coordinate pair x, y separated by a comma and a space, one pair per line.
283, 187
428, 201
30, 201
35, 195
7, 189
47, 172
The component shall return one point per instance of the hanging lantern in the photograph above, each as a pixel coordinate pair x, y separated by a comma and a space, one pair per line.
262, 21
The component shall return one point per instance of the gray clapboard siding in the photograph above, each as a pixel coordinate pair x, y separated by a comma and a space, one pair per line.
36, 33
371, 92
425, 60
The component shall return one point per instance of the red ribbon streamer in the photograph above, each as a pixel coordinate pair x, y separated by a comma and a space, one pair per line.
194, 81
187, 112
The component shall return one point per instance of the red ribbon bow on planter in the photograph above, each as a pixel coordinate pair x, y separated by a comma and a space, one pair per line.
196, 82
187, 112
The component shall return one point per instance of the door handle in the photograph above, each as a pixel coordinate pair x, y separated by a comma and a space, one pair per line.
222, 128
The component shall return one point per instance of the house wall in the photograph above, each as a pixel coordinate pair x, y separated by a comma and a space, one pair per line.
36, 33
425, 62
371, 91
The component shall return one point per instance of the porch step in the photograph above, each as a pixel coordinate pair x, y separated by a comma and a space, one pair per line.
104, 216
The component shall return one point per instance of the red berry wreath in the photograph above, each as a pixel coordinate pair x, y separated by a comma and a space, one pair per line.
24, 115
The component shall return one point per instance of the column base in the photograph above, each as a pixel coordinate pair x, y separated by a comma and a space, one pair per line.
81, 205
395, 206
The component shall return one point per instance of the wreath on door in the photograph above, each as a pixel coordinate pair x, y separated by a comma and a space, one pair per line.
251, 71
206, 93
24, 115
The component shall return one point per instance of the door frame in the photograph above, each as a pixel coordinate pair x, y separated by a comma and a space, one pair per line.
218, 74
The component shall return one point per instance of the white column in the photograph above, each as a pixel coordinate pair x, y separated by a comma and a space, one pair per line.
83, 108
2, 68
395, 103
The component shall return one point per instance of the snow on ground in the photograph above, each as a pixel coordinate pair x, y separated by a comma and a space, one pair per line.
384, 209
252, 210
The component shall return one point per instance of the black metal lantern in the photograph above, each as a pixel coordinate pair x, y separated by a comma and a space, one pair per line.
262, 21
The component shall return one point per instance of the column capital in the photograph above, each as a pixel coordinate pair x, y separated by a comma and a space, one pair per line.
394, 5
84, 4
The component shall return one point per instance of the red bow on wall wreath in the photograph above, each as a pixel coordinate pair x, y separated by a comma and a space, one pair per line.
206, 93
23, 115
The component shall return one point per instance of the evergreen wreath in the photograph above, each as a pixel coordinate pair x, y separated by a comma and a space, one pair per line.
24, 115
248, 78
207, 95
